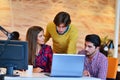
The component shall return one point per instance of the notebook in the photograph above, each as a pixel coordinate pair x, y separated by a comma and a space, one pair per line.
67, 65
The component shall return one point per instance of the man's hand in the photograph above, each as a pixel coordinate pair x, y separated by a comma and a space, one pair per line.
86, 73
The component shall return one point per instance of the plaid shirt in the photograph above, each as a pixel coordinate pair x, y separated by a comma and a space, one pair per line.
44, 58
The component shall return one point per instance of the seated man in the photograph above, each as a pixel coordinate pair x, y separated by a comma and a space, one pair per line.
96, 63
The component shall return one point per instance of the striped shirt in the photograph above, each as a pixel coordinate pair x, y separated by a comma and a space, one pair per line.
97, 66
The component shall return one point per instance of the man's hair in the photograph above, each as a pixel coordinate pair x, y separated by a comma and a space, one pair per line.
62, 17
93, 38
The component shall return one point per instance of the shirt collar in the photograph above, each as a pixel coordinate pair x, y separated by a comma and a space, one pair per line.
95, 56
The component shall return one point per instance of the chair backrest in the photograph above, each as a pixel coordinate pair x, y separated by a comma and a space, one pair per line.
112, 67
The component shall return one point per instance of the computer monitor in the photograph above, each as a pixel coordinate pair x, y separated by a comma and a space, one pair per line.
13, 55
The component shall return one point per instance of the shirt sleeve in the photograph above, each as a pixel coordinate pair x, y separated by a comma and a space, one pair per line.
49, 54
47, 34
50, 58
103, 69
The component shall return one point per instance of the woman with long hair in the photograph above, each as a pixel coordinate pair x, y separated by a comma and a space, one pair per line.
40, 55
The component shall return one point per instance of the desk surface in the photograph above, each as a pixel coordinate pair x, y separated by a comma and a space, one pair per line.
41, 76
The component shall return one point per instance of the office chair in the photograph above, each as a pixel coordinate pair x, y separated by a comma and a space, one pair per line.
112, 68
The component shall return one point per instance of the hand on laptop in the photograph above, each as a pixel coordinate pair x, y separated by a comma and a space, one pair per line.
86, 73
37, 70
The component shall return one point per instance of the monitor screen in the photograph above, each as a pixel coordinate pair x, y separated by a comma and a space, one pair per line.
13, 55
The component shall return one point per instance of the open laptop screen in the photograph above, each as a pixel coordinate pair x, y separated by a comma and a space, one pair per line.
67, 65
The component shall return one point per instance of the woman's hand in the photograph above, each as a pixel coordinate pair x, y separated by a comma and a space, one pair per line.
86, 73
37, 70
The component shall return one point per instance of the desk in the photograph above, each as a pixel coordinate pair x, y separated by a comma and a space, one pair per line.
41, 76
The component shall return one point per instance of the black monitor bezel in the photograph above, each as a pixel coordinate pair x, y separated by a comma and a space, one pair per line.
24, 62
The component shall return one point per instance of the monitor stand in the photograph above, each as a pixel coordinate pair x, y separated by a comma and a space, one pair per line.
9, 72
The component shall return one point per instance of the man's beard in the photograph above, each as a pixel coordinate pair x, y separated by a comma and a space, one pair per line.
89, 55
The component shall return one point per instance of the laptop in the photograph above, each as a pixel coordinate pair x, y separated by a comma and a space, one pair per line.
67, 65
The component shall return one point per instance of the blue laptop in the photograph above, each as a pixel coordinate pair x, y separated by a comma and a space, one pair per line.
67, 65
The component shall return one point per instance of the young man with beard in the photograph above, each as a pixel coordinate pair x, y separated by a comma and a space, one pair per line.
96, 63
